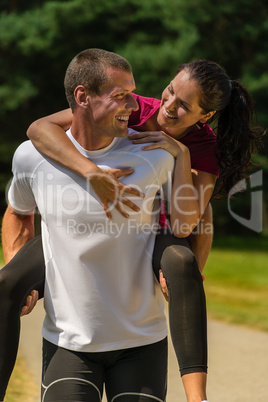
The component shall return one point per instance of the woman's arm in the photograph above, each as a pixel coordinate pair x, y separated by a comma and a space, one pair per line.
49, 137
191, 190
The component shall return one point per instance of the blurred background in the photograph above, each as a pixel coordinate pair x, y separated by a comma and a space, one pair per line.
39, 38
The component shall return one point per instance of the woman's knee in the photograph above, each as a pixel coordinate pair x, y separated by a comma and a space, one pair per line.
178, 262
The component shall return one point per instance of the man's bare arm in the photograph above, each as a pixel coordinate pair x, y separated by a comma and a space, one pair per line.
17, 230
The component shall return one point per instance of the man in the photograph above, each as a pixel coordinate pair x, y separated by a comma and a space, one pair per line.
105, 318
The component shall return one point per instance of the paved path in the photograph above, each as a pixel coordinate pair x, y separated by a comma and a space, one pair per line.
238, 362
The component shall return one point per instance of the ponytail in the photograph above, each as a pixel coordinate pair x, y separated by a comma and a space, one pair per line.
236, 140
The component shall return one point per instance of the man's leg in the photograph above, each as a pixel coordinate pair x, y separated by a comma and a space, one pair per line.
138, 374
70, 376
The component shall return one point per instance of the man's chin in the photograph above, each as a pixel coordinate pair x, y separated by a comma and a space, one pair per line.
121, 133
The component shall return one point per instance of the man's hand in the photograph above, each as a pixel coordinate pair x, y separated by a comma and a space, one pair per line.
32, 299
110, 190
163, 285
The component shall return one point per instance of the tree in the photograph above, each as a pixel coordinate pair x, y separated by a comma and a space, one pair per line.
39, 38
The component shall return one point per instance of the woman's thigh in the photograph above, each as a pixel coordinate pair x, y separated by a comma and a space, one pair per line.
164, 240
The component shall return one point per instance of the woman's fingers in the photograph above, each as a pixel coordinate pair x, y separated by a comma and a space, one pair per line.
148, 136
157, 139
152, 146
121, 172
112, 193
122, 188
118, 204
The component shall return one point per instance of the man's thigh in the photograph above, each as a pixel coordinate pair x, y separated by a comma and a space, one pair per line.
68, 376
139, 375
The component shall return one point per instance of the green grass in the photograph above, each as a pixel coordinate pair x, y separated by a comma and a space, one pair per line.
237, 282
21, 386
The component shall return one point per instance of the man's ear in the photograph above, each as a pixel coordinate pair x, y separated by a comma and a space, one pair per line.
207, 116
81, 96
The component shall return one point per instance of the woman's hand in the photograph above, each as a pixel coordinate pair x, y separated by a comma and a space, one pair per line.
109, 190
158, 139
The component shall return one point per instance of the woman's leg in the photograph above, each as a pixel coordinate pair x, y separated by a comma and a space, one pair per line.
200, 239
25, 272
187, 308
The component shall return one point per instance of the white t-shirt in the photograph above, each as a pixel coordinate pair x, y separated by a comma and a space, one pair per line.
100, 290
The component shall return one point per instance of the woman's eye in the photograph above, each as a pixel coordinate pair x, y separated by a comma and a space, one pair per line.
183, 106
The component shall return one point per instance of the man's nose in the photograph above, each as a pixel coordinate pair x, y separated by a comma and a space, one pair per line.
132, 103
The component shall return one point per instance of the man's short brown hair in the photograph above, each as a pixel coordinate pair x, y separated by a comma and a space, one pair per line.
89, 68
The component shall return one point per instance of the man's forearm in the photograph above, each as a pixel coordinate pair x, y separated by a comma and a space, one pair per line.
17, 230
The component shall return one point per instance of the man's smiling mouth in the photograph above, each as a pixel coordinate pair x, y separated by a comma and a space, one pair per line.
122, 118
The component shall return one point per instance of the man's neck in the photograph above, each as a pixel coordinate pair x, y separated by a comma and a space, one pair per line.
86, 136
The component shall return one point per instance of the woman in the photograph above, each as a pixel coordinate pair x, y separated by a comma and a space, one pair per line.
200, 92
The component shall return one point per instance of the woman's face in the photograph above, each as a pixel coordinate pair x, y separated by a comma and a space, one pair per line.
179, 109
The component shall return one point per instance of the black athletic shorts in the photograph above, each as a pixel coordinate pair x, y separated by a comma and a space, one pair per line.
130, 375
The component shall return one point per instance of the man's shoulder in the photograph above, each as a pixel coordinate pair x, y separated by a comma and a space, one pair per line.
26, 156
158, 154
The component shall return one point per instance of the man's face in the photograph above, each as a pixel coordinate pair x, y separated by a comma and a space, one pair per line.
112, 107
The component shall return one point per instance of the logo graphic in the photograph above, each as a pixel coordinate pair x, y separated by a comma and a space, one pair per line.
255, 221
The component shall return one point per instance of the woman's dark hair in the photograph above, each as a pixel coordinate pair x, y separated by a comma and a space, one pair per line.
236, 139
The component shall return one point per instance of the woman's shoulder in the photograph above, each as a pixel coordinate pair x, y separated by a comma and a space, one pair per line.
147, 108
202, 146
202, 134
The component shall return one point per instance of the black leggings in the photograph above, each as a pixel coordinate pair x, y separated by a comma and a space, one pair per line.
25, 272
136, 374
187, 301
187, 305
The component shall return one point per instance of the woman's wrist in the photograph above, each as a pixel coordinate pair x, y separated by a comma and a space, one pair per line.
91, 170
